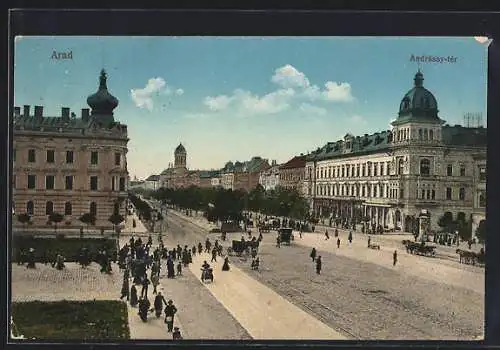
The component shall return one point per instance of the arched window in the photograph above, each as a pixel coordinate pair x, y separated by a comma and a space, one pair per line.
93, 209
426, 136
425, 167
68, 208
30, 208
49, 208
400, 166
431, 135
482, 199
420, 134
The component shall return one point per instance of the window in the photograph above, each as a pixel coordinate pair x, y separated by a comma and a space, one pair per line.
49, 208
363, 171
113, 181
431, 135
369, 169
118, 159
363, 191
448, 193
423, 194
482, 173
428, 194
401, 193
425, 167
49, 182
382, 169
116, 209
50, 156
122, 184
375, 188
68, 208
449, 170
357, 170
420, 134
482, 199
14, 155
31, 182
94, 158
343, 171
93, 209
426, 135
31, 156
30, 208
462, 170
69, 157
93, 183
375, 167
461, 194
69, 182
400, 166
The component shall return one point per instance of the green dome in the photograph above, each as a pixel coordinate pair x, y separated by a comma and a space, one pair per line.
419, 102
102, 102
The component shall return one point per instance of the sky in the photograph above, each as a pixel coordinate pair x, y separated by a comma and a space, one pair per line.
232, 98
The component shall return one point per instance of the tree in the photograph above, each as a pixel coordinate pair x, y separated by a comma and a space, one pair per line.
116, 219
56, 218
446, 222
24, 219
88, 219
481, 231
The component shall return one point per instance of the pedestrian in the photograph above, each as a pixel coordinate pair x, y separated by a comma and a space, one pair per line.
176, 334
318, 265
214, 255
145, 284
179, 269
313, 254
278, 241
133, 296
300, 232
350, 237
170, 311
225, 266
200, 248
194, 249
170, 268
327, 236
155, 280
336, 232
369, 241
125, 288
338, 242
394, 258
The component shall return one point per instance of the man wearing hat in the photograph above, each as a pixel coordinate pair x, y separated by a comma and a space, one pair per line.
170, 311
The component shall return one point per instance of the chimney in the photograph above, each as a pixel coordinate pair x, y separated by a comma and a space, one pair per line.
65, 113
85, 114
26, 110
39, 111
17, 110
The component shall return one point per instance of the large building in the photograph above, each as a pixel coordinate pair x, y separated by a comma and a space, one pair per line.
269, 179
177, 175
406, 178
292, 173
70, 165
243, 175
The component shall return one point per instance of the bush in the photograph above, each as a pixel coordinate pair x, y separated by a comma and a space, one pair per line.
72, 320
68, 247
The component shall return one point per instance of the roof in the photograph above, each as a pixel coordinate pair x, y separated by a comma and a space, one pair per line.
207, 174
180, 149
32, 122
295, 162
461, 136
153, 178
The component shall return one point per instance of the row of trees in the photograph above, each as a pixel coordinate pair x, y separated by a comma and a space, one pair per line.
56, 218
223, 205
461, 225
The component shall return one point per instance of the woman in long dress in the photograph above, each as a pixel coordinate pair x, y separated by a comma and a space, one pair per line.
225, 266
133, 296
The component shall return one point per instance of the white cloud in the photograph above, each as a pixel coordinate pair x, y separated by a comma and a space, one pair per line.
357, 119
339, 92
270, 103
217, 103
311, 109
289, 77
18, 38
143, 97
179, 92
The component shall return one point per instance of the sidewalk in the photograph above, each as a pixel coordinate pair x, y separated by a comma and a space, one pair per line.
260, 310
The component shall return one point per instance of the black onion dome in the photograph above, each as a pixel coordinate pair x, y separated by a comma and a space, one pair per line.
102, 102
419, 102
180, 149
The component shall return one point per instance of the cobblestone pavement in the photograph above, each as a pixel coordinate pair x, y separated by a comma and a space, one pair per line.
367, 300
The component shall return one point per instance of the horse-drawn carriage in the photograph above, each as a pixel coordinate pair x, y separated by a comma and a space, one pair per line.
264, 228
240, 247
470, 257
419, 248
286, 235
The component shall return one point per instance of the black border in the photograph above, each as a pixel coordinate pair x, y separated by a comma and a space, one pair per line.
283, 23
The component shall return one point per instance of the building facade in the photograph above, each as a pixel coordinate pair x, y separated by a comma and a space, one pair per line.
292, 173
69, 165
243, 175
177, 175
404, 179
270, 179
152, 183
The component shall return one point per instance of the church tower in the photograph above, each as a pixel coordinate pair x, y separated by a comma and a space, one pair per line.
180, 157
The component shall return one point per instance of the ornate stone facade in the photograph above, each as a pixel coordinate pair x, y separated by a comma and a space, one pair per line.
70, 165
406, 178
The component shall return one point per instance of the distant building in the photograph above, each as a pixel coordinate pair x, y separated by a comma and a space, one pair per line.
406, 178
269, 179
292, 173
209, 178
70, 165
152, 182
243, 175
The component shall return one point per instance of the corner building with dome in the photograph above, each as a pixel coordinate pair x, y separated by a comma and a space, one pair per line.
70, 164
402, 179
